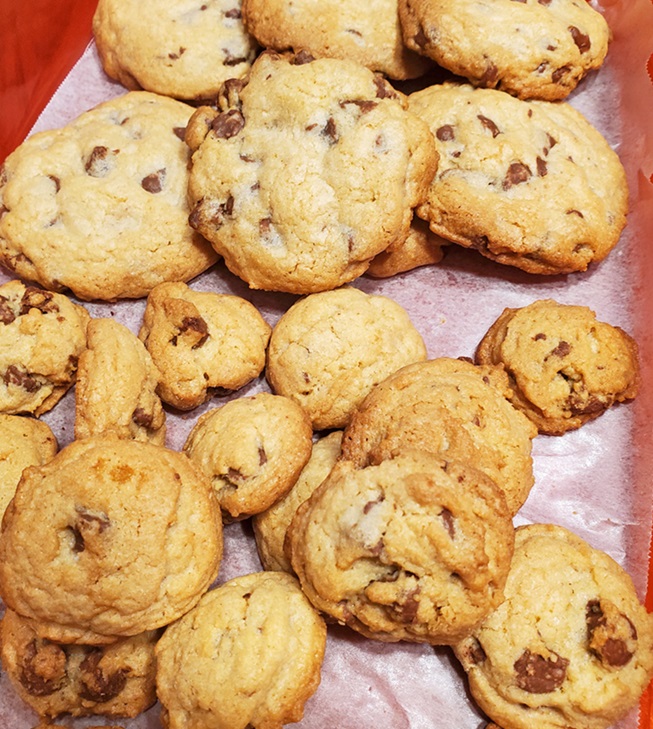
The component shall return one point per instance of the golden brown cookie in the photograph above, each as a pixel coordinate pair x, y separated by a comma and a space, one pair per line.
571, 645
252, 450
116, 386
416, 548
129, 537
249, 654
202, 342
565, 367
329, 349
451, 407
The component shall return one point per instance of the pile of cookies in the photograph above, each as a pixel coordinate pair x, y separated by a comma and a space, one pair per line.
302, 148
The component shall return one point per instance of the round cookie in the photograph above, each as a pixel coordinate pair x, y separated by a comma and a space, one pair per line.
23, 442
41, 337
309, 170
329, 349
416, 548
571, 646
271, 526
128, 538
368, 34
55, 678
252, 449
451, 407
99, 206
529, 184
536, 49
249, 654
565, 367
116, 386
173, 47
202, 341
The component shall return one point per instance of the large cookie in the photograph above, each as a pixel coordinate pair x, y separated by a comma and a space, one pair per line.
128, 538
173, 47
526, 183
99, 206
530, 48
310, 170
565, 366
571, 646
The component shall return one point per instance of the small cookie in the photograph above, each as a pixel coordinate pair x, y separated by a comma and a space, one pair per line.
271, 526
570, 646
172, 47
451, 407
416, 548
23, 442
421, 248
537, 49
41, 337
249, 654
202, 341
55, 678
311, 169
368, 34
329, 349
529, 184
116, 386
252, 449
128, 538
99, 206
565, 367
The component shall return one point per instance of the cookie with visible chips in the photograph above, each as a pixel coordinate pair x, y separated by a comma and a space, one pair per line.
571, 645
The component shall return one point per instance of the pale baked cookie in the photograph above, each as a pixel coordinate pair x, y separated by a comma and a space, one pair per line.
178, 48
565, 366
416, 548
271, 525
421, 248
56, 678
128, 538
248, 655
451, 407
571, 646
367, 33
116, 386
309, 170
202, 341
530, 184
99, 205
23, 442
530, 48
329, 349
41, 337
252, 449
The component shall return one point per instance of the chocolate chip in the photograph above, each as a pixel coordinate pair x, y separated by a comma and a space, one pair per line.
95, 684
406, 609
35, 298
539, 675
421, 39
581, 404
445, 133
517, 173
262, 456
197, 326
581, 40
87, 527
609, 633
179, 132
142, 418
234, 476
562, 350
15, 376
233, 13
264, 225
544, 2
474, 652
371, 504
100, 161
229, 95
43, 668
449, 522
541, 167
330, 131
573, 211
551, 143
230, 60
490, 75
364, 105
57, 182
302, 57
489, 124
6, 312
559, 74
539, 335
383, 88
228, 124
154, 182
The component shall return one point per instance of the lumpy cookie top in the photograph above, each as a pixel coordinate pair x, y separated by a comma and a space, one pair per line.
367, 33
329, 349
99, 205
451, 407
526, 183
570, 646
249, 654
565, 366
42, 335
529, 48
129, 536
180, 48
416, 548
310, 169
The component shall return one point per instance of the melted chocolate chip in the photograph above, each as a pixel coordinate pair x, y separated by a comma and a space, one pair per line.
517, 173
383, 88
609, 633
154, 182
562, 350
489, 124
6, 312
559, 74
541, 167
364, 105
406, 609
35, 298
302, 57
228, 124
233, 13
539, 675
262, 456
581, 40
43, 668
142, 418
449, 522
330, 131
179, 132
573, 211
475, 652
95, 684
15, 376
445, 133
231, 60
539, 335
100, 161
490, 75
